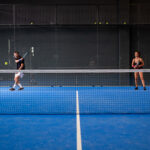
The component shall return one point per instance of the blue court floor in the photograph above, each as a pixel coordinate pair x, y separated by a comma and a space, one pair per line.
58, 132
25, 125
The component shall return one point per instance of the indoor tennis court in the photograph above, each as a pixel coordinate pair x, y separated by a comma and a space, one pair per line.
74, 75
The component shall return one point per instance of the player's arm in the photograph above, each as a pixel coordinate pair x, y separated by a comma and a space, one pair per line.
133, 66
16, 61
142, 63
22, 65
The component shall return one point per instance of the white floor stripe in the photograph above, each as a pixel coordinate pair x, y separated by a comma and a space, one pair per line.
79, 143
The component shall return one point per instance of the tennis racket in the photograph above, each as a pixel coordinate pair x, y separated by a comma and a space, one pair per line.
25, 55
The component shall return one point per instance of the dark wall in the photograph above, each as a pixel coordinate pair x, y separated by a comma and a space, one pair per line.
75, 46
76, 12
75, 34
64, 46
59, 1
141, 41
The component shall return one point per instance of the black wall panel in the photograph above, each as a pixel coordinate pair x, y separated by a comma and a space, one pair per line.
35, 14
108, 51
76, 14
140, 42
139, 13
5, 38
124, 47
74, 2
77, 46
107, 13
66, 47
123, 11
6, 14
58, 47
116, 12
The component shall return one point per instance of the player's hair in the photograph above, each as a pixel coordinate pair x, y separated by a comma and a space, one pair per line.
16, 52
138, 53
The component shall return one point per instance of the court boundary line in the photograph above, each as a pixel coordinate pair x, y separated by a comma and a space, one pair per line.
78, 126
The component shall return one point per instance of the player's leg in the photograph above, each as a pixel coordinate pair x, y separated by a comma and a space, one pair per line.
142, 80
18, 82
136, 74
15, 84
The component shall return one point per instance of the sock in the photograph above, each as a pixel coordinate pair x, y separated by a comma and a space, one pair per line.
20, 85
14, 85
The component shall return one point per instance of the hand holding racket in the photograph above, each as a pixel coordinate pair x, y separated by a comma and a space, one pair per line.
22, 57
137, 65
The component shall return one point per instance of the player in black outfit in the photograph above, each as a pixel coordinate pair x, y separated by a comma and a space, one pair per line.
20, 66
138, 63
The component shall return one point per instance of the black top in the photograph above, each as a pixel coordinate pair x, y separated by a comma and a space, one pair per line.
20, 62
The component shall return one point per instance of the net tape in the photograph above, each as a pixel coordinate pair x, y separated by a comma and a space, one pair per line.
79, 71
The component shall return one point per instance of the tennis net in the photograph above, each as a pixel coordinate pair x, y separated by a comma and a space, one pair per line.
58, 92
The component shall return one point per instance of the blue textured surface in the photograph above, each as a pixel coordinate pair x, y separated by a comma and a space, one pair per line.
62, 100
58, 132
114, 100
38, 132
38, 100
115, 132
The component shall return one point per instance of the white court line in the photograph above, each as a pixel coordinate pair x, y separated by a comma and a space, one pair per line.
79, 143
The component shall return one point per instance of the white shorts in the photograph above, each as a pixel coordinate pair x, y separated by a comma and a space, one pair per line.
19, 74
